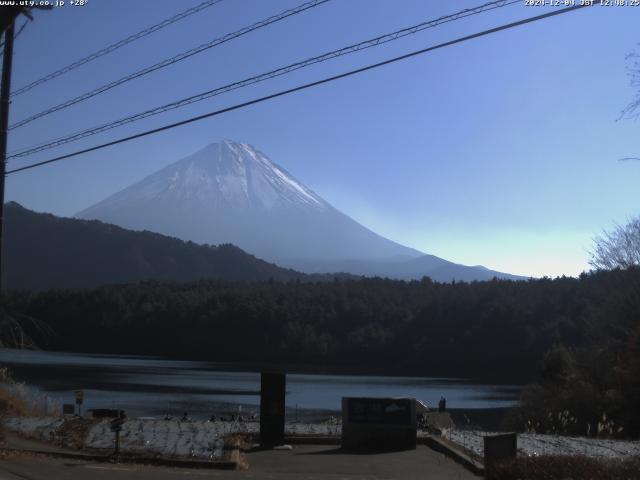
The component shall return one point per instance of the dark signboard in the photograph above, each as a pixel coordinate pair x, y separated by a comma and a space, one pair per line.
108, 413
381, 411
68, 409
116, 424
379, 423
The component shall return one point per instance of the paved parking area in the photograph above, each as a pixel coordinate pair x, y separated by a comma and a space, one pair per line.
305, 462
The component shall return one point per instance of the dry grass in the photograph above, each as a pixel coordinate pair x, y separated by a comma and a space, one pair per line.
13, 404
19, 400
240, 443
560, 467
72, 432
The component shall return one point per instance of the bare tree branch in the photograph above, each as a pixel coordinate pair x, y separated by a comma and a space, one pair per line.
619, 248
632, 111
14, 327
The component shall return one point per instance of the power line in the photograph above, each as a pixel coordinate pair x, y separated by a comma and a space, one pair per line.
305, 86
264, 76
115, 46
170, 61
21, 29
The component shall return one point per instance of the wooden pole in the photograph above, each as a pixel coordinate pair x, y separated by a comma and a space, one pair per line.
5, 94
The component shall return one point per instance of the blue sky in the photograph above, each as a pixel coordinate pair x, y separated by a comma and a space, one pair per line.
502, 151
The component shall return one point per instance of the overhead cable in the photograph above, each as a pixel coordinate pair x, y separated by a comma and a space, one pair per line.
115, 46
170, 61
304, 86
373, 42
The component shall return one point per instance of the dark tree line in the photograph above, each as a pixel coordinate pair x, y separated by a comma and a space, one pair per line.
498, 330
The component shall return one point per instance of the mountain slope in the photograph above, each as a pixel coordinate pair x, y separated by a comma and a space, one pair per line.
436, 268
230, 192
44, 251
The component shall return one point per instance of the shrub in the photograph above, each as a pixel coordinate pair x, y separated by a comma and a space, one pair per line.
20, 400
560, 467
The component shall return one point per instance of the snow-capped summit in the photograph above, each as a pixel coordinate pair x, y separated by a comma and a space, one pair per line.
221, 175
235, 175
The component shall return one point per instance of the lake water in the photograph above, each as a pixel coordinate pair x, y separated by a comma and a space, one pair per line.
155, 386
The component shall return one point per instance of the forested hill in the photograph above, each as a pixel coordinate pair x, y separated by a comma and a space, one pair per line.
44, 251
498, 329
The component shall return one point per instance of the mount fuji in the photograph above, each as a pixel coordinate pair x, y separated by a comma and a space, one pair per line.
231, 192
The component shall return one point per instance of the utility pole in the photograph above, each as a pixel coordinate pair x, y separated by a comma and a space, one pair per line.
5, 94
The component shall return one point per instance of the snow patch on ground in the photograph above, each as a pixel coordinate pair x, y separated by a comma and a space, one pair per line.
148, 436
42, 428
197, 439
167, 438
539, 444
203, 439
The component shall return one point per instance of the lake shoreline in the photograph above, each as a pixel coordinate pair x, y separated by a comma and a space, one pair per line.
305, 368
155, 386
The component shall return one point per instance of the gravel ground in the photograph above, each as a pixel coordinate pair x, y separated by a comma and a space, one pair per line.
538, 444
197, 439
203, 439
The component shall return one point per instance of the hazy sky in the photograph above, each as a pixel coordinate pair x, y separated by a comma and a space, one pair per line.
502, 151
